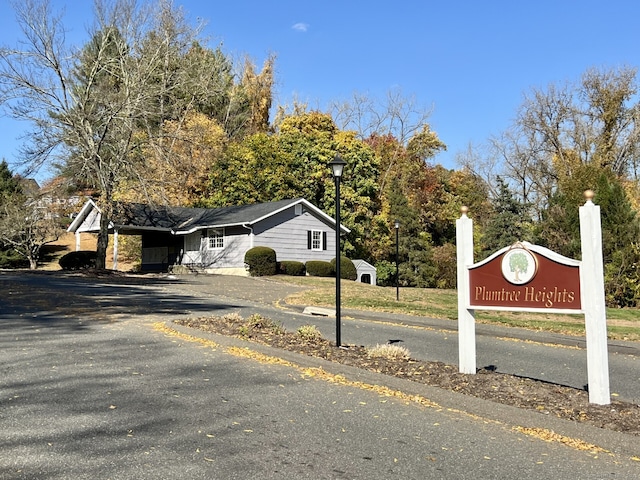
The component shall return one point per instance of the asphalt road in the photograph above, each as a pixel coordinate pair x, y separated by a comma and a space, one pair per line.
90, 388
543, 356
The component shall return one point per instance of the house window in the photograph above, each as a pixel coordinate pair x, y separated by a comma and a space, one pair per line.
317, 240
215, 238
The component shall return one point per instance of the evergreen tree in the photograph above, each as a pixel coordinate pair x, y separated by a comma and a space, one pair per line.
8, 183
620, 237
10, 190
508, 223
559, 229
415, 247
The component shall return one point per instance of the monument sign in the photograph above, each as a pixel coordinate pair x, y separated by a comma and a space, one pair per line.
526, 277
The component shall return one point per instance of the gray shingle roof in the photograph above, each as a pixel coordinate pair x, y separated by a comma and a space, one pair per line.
182, 219
133, 218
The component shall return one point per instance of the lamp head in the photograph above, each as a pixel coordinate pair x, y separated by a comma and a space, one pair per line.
337, 166
397, 224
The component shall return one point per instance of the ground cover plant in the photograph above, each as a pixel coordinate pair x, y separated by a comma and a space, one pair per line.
546, 398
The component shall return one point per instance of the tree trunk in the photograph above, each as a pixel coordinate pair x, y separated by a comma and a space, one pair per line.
33, 263
103, 238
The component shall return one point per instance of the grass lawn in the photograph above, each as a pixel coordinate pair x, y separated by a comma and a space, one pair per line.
622, 324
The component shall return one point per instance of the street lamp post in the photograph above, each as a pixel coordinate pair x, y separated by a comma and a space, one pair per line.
397, 225
337, 166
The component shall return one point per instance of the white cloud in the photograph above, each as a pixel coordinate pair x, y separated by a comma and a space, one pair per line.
300, 27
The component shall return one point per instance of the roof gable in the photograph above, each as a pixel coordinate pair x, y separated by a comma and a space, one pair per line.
183, 220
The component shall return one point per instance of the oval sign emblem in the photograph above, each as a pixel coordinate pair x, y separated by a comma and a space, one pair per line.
519, 266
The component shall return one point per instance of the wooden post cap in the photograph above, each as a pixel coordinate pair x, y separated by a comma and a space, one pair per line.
464, 210
588, 195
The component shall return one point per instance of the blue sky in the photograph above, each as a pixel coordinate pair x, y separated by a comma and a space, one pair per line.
470, 62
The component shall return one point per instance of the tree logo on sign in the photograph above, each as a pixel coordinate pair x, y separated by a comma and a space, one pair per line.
519, 265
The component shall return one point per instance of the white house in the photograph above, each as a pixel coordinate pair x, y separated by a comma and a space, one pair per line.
216, 240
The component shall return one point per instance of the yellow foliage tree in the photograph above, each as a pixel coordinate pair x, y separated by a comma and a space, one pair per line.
178, 173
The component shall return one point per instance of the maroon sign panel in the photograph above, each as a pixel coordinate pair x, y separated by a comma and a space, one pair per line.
522, 278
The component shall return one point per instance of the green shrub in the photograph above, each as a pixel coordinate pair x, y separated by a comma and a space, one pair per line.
10, 259
385, 274
80, 260
261, 261
320, 268
347, 269
290, 267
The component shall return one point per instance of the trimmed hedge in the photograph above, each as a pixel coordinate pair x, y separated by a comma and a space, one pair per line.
261, 261
347, 268
320, 268
290, 267
81, 260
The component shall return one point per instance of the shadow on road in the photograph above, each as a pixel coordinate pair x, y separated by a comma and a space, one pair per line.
73, 301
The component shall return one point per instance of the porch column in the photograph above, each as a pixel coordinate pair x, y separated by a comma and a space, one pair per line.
78, 241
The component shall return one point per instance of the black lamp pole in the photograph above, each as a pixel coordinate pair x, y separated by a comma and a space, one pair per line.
337, 166
397, 225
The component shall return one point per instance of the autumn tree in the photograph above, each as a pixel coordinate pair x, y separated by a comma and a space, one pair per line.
258, 90
404, 171
293, 162
94, 109
180, 175
398, 117
594, 121
26, 226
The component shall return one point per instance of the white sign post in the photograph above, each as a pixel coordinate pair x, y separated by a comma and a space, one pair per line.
466, 317
595, 315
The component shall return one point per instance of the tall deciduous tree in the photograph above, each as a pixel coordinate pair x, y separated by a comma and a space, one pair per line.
26, 224
26, 227
396, 116
595, 121
87, 108
180, 175
258, 90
